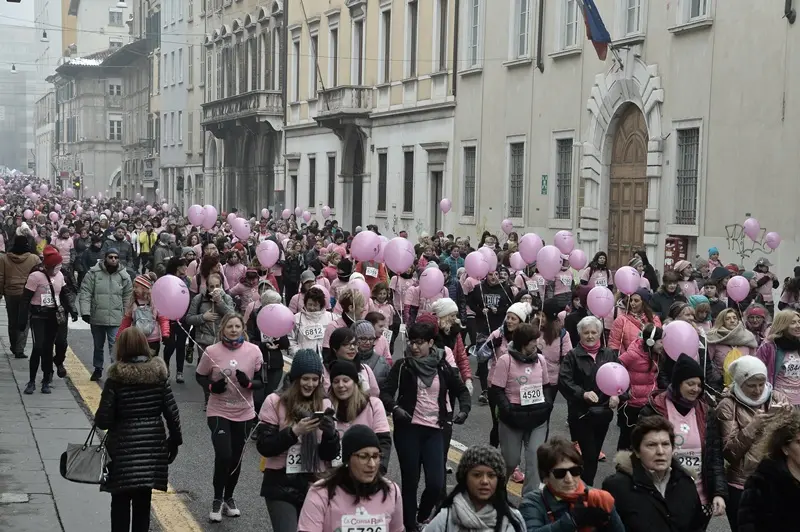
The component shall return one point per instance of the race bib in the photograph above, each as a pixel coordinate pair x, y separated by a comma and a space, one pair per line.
371, 272
542, 282
363, 522
690, 460
46, 300
602, 281
388, 335
294, 463
532, 286
566, 280
531, 394
791, 367
314, 332
403, 328
266, 339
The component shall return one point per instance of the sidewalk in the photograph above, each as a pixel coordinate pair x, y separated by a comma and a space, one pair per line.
34, 431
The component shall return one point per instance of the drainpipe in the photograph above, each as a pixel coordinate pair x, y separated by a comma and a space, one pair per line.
789, 12
539, 59
284, 92
457, 11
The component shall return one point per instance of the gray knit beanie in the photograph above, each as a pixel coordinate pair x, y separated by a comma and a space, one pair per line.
363, 329
481, 455
305, 361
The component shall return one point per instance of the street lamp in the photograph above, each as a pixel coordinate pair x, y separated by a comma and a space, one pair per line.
44, 36
121, 4
13, 68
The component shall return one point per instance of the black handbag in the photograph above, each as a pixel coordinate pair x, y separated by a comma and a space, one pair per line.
86, 463
61, 314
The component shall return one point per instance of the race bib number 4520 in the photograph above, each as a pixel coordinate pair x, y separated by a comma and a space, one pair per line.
531, 394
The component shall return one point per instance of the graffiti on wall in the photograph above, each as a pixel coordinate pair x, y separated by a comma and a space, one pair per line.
743, 246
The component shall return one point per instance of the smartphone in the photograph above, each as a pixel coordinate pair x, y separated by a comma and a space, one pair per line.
318, 415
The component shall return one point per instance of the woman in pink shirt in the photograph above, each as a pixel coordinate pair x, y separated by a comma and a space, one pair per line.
356, 496
343, 347
234, 270
65, 246
597, 273
554, 343
298, 438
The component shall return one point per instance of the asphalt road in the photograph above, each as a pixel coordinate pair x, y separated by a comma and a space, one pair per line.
191, 473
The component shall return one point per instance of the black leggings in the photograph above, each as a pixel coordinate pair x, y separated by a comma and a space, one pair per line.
228, 438
61, 345
177, 345
43, 331
483, 374
121, 505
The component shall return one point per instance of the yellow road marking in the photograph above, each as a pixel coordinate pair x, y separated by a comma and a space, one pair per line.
169, 509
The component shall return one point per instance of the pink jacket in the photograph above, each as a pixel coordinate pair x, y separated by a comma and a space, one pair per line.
553, 353
642, 371
625, 330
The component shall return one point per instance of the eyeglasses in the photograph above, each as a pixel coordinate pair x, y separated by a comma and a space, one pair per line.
365, 458
561, 472
365, 340
349, 344
418, 342
112, 257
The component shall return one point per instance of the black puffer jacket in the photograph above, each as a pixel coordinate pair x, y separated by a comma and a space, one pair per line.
577, 376
135, 397
517, 416
769, 499
641, 506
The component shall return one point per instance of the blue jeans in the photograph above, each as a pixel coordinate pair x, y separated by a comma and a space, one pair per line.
101, 334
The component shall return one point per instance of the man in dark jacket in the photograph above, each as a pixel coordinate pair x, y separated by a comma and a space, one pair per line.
490, 301
119, 241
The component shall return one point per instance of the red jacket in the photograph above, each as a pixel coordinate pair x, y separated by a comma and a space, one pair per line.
382, 277
462, 359
642, 371
625, 330
163, 325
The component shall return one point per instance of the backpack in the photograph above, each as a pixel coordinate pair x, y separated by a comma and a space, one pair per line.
144, 320
732, 355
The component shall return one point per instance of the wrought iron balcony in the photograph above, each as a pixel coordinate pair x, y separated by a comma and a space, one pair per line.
258, 105
345, 101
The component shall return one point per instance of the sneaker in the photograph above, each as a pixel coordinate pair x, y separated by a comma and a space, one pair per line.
96, 375
46, 387
189, 357
517, 476
230, 509
179, 377
20, 355
30, 388
61, 371
602, 457
216, 511
449, 470
484, 398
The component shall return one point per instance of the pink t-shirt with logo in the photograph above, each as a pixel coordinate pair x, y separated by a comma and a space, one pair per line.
64, 246
426, 412
511, 375
399, 286
563, 282
235, 403
553, 353
373, 416
323, 514
39, 285
274, 413
598, 278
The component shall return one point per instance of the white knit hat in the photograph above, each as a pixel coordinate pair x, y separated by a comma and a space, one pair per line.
745, 367
444, 307
356, 275
521, 310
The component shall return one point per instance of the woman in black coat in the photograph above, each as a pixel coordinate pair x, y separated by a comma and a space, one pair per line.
136, 397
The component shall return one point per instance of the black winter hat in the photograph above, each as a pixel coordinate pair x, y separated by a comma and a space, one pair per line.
481, 455
356, 438
685, 368
719, 273
305, 361
343, 367
551, 308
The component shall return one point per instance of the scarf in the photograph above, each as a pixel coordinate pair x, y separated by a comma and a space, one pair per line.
788, 344
752, 403
233, 344
592, 349
522, 358
425, 368
594, 498
682, 404
467, 518
738, 336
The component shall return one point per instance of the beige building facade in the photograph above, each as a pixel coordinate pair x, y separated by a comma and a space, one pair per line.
688, 128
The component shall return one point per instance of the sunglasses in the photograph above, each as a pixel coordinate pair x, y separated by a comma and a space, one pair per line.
561, 472
112, 257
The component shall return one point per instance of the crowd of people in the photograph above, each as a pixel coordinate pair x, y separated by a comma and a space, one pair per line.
363, 375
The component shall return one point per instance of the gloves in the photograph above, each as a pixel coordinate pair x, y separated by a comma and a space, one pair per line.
470, 387
327, 426
460, 418
87, 318
218, 386
589, 516
173, 450
401, 415
74, 318
244, 380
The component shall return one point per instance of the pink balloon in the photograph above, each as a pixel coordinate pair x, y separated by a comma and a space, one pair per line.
79, 210
165, 207
27, 189
306, 216
53, 216
285, 214
431, 282
752, 228
738, 288
445, 205
69, 193
129, 210
268, 253
613, 379
365, 246
564, 241
57, 207
152, 211
476, 265
241, 228
529, 246
681, 337
326, 211
298, 212
399, 254
231, 217
327, 295
264, 213
517, 262
275, 320
170, 297
196, 214
577, 259
490, 256
600, 301
341, 251
210, 217
644, 283
380, 256
362, 286
43, 189
507, 226
331, 247
773, 240
548, 262
626, 279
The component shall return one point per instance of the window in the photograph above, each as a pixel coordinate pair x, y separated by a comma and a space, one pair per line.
241, 62
688, 150
473, 32
331, 181
386, 46
157, 129
313, 86
633, 16
698, 9
114, 43
411, 52
570, 25
203, 67
408, 181
296, 70
333, 51
180, 65
383, 170
312, 182
180, 9
563, 178
516, 184
255, 65
441, 39
220, 76
174, 66
164, 76
190, 131
172, 134
358, 50
521, 35
189, 9
165, 135
230, 72
115, 127
470, 167
277, 46
115, 90
190, 65
114, 17
180, 127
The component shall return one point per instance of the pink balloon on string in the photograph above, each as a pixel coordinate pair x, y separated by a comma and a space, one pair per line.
43, 189
79, 210
326, 211
517, 262
600, 301
752, 228
170, 297
153, 212
360, 285
241, 228
738, 288
165, 207
69, 193
773, 240
490, 256
298, 212
529, 246
445, 205
268, 253
399, 254
129, 210
275, 320
564, 241
286, 214
57, 207
196, 214
548, 262
306, 216
264, 213
476, 266
626, 279
577, 259
365, 246
613, 379
431, 282
53, 216
231, 217
681, 337
210, 217
507, 226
